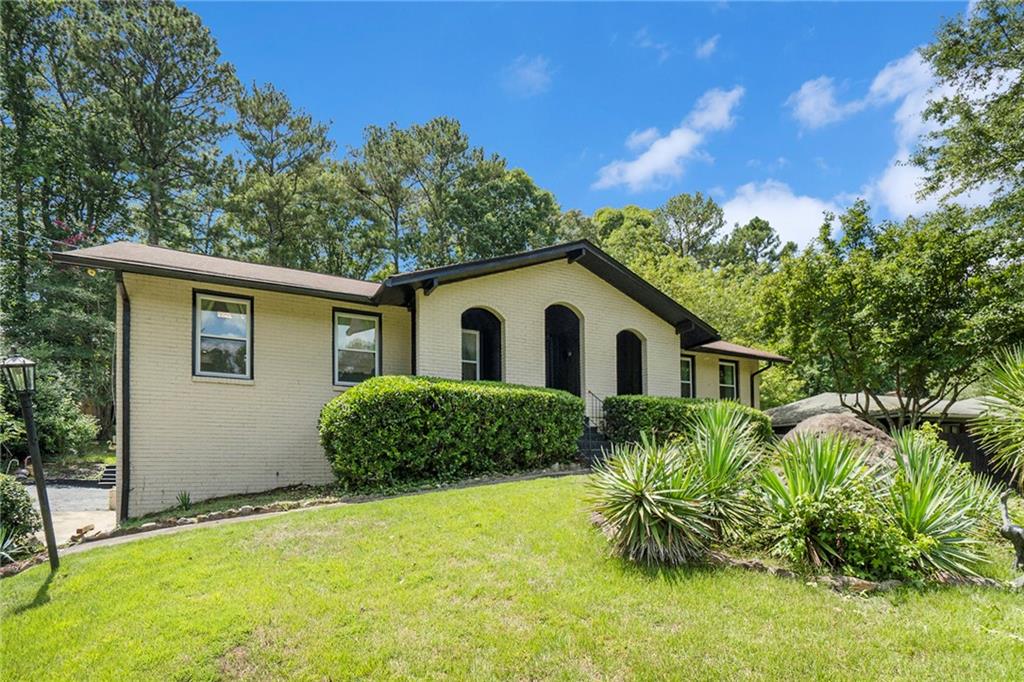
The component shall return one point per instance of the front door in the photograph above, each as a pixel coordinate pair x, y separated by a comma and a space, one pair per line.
562, 349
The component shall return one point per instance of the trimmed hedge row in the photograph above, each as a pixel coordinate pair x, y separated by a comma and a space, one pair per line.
397, 429
627, 416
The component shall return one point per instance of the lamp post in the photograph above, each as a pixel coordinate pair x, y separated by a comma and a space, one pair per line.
20, 377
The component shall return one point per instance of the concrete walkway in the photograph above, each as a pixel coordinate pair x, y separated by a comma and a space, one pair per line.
75, 507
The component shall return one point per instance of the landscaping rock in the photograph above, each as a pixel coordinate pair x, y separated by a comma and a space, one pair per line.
187, 521
245, 510
97, 535
880, 443
152, 525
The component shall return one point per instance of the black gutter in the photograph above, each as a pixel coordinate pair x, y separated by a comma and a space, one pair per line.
412, 314
771, 363
124, 428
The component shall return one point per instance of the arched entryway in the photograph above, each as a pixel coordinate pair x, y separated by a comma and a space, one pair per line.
562, 356
481, 345
629, 363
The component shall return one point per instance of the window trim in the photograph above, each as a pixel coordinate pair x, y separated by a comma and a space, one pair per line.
250, 339
692, 359
735, 377
378, 320
463, 360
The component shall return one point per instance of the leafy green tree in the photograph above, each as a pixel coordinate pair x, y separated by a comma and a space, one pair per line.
978, 142
499, 211
690, 223
630, 234
574, 224
157, 69
274, 202
908, 308
755, 243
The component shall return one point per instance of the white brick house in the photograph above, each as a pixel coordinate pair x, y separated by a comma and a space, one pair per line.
223, 366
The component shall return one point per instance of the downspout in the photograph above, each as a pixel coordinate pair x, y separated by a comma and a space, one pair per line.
124, 427
412, 313
771, 363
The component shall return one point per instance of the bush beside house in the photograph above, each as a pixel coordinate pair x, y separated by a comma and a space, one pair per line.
63, 429
395, 430
18, 518
626, 417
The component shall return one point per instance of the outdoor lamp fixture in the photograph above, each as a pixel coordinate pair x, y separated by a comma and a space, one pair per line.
20, 377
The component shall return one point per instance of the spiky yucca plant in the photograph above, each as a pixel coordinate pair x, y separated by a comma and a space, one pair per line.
935, 502
652, 503
1001, 427
725, 451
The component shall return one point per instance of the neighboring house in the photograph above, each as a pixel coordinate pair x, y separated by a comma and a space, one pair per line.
224, 365
954, 425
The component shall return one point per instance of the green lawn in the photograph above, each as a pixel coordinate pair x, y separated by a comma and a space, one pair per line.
506, 581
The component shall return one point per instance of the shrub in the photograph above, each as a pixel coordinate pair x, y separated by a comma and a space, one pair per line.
652, 502
821, 510
18, 516
62, 428
628, 416
937, 504
1001, 427
725, 451
396, 430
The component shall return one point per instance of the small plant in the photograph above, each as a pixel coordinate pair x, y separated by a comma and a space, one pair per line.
1002, 425
653, 504
184, 500
725, 450
937, 504
10, 549
17, 514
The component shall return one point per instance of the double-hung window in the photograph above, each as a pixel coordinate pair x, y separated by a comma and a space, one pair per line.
222, 338
470, 354
356, 347
728, 380
686, 387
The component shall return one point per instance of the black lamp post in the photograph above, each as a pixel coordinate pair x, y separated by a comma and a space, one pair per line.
20, 377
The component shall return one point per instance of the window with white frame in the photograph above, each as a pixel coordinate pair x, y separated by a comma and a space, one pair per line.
470, 354
686, 385
222, 337
728, 380
356, 347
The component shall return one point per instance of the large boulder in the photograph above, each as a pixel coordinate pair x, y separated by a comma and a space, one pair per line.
880, 444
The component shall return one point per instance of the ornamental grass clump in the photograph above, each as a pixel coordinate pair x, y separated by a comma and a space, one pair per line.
726, 451
938, 505
653, 504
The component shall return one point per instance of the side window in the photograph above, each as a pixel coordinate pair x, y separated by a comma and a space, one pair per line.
470, 354
686, 383
356, 347
728, 380
222, 337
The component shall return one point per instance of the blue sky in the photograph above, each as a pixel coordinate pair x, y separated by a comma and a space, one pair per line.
778, 110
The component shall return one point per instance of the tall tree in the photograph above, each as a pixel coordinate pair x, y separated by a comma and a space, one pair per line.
379, 176
754, 243
978, 141
158, 70
285, 155
690, 223
908, 308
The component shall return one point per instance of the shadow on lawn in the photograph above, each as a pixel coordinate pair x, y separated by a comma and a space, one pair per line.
42, 596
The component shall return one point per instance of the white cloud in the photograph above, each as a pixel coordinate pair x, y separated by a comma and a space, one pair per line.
795, 217
662, 158
642, 139
707, 48
815, 105
643, 40
527, 76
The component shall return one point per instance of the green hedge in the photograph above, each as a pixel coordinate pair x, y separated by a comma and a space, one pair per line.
627, 416
394, 430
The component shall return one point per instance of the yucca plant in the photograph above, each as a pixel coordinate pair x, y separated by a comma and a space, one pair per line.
935, 503
1001, 427
725, 450
816, 497
652, 504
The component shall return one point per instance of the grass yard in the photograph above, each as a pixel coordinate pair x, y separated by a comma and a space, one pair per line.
506, 581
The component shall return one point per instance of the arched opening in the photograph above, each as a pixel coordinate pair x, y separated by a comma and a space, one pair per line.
562, 349
481, 345
629, 363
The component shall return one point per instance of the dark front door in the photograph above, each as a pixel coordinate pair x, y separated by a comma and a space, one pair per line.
629, 364
562, 349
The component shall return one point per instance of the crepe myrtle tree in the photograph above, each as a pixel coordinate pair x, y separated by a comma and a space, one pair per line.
908, 309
